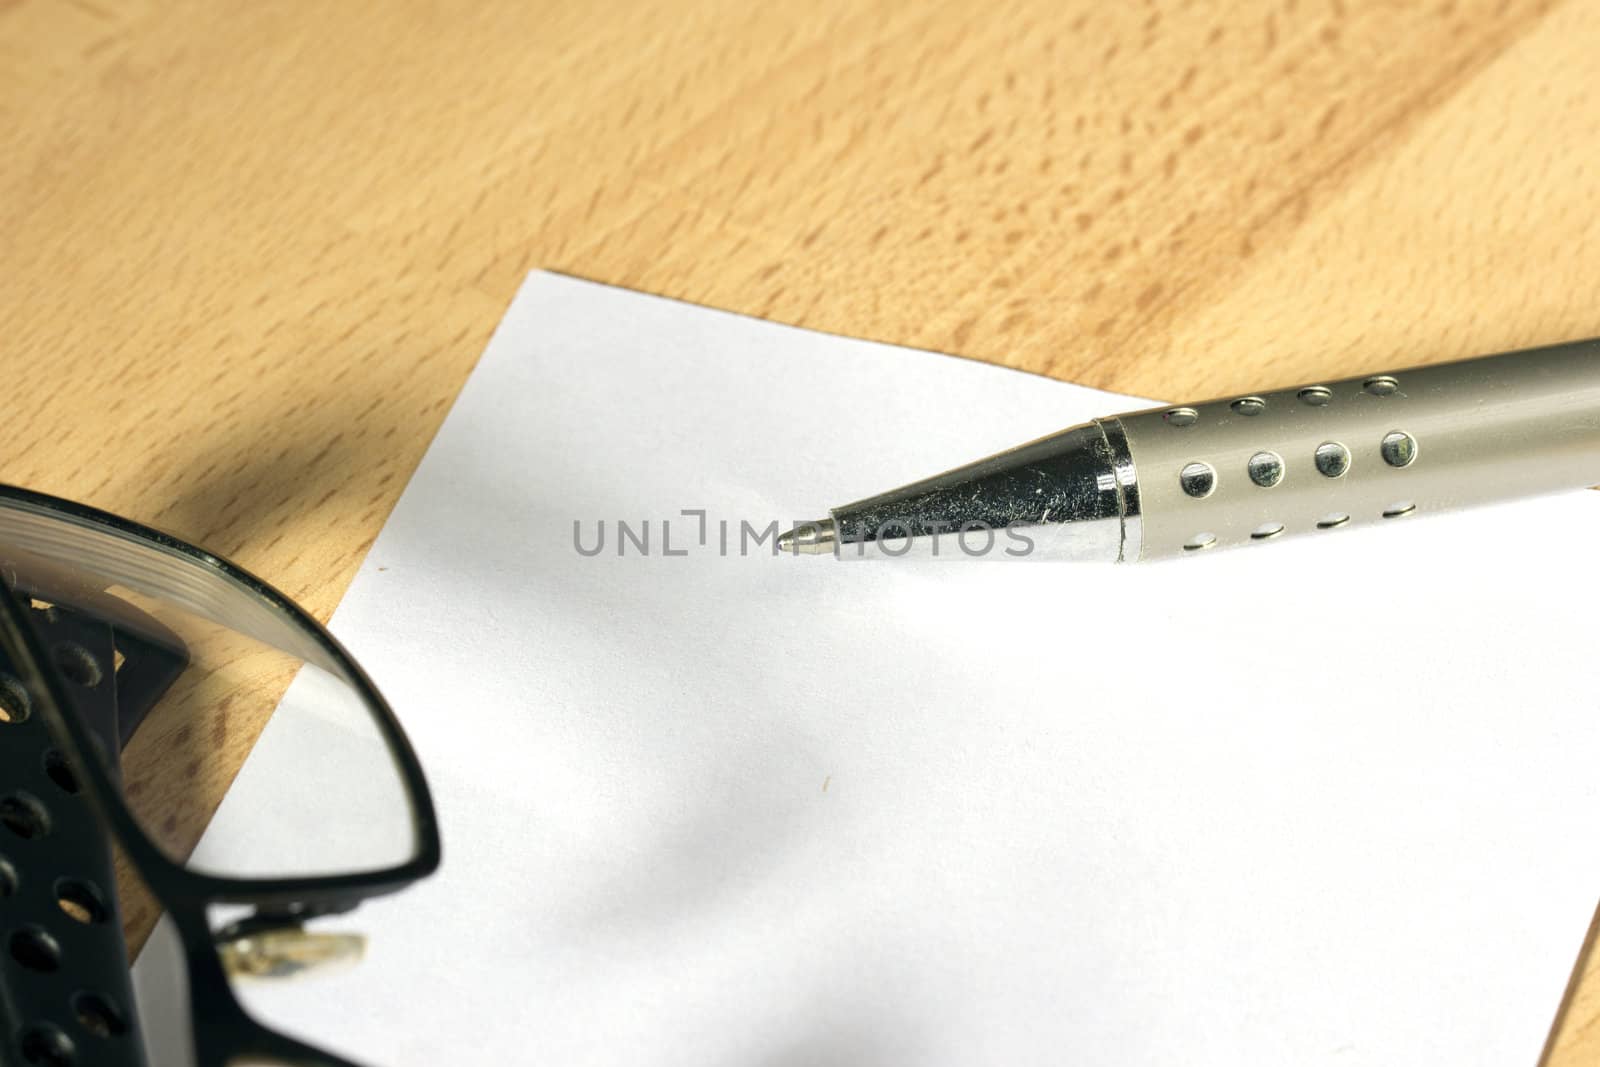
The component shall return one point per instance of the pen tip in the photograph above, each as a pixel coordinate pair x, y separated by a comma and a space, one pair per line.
812, 538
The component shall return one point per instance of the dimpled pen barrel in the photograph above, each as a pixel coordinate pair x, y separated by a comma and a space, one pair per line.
1183, 480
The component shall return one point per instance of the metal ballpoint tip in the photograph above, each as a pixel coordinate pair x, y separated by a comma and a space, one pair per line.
812, 538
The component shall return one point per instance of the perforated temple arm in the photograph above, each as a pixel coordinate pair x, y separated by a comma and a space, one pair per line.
117, 662
65, 990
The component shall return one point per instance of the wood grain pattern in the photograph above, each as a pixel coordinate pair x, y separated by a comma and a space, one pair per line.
249, 252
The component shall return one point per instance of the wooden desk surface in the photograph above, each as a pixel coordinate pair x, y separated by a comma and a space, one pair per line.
249, 252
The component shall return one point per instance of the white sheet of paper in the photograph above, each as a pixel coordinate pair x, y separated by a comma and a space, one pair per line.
1327, 801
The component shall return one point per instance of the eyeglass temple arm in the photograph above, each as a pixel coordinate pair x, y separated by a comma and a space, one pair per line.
70, 870
117, 661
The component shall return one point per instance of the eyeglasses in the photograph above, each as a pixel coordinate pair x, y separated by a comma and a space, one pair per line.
135, 671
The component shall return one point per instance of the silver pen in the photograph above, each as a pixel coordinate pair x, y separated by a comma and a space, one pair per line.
1182, 479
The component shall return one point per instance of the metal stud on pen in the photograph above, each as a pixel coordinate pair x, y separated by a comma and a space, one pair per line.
1198, 479
1399, 449
1332, 459
1266, 469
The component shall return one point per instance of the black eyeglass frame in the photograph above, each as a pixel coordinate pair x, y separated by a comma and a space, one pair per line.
223, 1031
